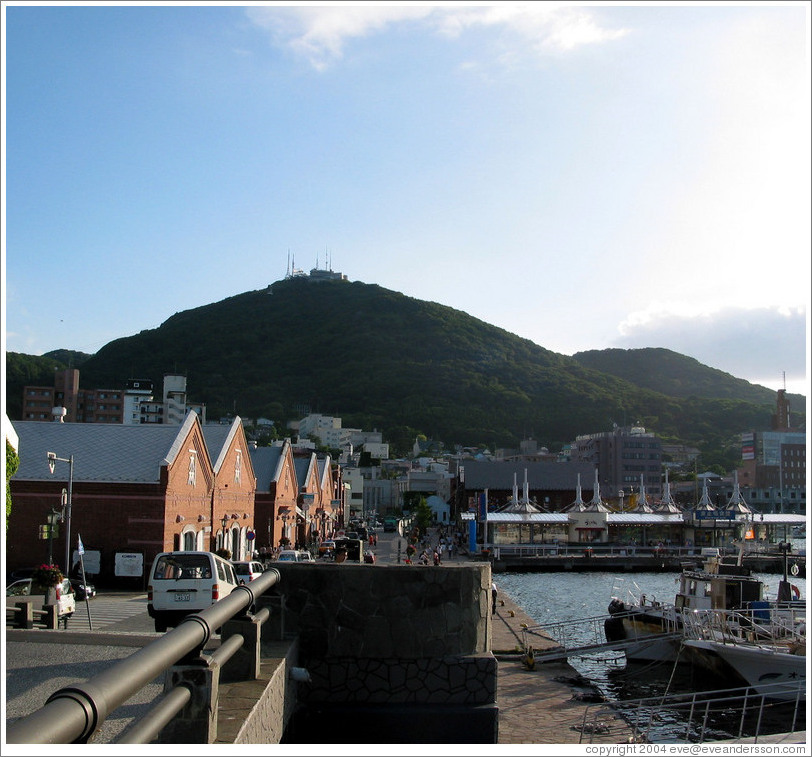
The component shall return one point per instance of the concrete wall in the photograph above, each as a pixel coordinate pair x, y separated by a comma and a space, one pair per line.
408, 646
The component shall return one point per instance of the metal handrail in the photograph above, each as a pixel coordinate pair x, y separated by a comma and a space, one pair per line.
696, 708
73, 714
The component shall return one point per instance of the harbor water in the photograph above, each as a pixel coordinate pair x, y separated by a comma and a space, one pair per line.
563, 603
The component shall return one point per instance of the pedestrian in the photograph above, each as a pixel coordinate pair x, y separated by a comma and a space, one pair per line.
436, 557
493, 598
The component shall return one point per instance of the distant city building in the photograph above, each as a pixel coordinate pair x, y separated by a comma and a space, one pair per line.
622, 456
80, 405
773, 470
132, 406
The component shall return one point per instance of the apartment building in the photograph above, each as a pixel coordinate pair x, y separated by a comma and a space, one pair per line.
621, 456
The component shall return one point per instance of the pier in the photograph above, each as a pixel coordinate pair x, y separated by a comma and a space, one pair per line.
619, 559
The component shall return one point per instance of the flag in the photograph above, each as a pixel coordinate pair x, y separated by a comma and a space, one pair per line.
81, 546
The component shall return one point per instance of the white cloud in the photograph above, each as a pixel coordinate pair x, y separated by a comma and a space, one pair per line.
320, 34
756, 344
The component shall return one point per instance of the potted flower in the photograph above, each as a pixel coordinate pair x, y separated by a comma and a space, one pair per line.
47, 576
45, 579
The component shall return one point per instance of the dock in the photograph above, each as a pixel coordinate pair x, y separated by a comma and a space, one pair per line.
546, 705
616, 562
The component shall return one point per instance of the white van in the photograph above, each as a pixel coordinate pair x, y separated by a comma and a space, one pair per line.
181, 583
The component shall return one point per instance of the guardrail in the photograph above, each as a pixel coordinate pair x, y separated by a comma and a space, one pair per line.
74, 713
696, 717
25, 615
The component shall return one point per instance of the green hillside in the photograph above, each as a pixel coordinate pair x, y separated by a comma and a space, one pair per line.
676, 375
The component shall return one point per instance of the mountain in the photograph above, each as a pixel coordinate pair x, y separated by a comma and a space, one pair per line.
676, 375
382, 360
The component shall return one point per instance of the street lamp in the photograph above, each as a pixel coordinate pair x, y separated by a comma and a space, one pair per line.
224, 523
67, 502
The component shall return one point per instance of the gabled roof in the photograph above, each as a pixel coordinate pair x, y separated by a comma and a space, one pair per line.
101, 452
324, 466
304, 467
268, 462
218, 440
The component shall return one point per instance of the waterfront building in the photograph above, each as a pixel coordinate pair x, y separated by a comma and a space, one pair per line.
773, 469
276, 493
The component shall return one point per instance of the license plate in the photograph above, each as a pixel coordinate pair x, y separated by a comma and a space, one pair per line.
183, 597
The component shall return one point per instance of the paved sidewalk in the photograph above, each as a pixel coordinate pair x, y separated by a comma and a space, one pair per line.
542, 706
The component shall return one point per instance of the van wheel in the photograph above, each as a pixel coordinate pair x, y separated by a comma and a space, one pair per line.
160, 626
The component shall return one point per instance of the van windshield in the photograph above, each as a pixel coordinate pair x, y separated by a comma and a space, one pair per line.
182, 566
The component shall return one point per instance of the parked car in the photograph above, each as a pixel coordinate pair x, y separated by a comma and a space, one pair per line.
21, 588
181, 583
295, 555
82, 590
247, 570
328, 546
65, 596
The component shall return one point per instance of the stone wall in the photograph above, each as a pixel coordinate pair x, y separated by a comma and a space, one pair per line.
398, 642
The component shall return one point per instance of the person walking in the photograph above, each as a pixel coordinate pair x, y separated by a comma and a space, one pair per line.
493, 598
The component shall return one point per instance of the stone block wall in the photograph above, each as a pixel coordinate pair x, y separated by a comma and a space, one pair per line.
396, 641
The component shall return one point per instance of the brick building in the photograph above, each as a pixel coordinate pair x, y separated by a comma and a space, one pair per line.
135, 490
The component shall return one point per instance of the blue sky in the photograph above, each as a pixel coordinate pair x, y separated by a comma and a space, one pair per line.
582, 176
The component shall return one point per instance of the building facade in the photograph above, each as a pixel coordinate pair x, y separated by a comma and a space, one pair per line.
134, 490
621, 457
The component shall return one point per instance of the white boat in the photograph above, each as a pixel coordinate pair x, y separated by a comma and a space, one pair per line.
768, 654
643, 621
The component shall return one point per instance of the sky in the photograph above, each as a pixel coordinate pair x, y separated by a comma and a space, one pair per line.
586, 177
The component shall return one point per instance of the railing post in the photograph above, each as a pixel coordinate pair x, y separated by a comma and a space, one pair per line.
51, 617
196, 723
24, 615
245, 663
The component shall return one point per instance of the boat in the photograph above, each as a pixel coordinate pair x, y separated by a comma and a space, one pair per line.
649, 626
764, 650
651, 631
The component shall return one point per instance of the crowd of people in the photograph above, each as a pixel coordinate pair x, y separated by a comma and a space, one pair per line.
427, 548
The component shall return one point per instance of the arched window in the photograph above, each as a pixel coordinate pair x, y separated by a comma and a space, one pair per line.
189, 541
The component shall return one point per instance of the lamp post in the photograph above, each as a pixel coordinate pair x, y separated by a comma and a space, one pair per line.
67, 503
224, 524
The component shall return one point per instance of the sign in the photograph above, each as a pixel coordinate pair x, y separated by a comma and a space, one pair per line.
714, 515
250, 535
130, 564
91, 559
468, 516
308, 499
